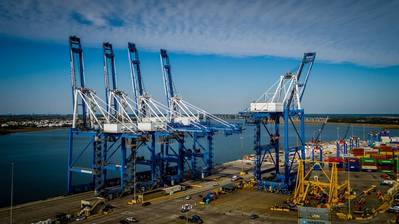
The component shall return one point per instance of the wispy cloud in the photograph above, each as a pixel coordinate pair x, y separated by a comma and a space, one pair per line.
361, 32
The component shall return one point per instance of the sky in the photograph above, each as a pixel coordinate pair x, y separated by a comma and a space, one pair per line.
224, 54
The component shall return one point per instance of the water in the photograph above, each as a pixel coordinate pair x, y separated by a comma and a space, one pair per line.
40, 158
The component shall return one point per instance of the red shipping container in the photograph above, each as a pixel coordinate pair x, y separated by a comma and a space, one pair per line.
371, 153
358, 150
379, 157
352, 160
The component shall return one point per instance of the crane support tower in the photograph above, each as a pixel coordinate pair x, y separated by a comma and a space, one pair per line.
281, 102
187, 121
103, 138
110, 138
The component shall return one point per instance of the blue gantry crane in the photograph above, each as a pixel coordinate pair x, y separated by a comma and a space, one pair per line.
282, 102
342, 145
188, 121
116, 130
316, 141
111, 134
150, 117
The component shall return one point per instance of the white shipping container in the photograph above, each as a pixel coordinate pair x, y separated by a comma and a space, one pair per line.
117, 128
266, 107
146, 126
113, 128
385, 139
395, 139
369, 168
173, 189
183, 120
153, 119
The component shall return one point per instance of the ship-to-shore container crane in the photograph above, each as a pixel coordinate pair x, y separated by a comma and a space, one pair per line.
121, 126
281, 102
151, 116
189, 121
109, 128
124, 113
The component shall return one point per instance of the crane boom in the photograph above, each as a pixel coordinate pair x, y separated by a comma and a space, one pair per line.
347, 131
109, 73
77, 74
135, 72
308, 59
317, 139
167, 77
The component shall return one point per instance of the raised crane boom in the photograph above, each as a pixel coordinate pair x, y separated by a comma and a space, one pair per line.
135, 72
317, 138
77, 72
167, 77
109, 74
308, 59
288, 91
183, 113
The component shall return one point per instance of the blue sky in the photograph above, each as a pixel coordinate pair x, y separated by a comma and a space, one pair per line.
223, 55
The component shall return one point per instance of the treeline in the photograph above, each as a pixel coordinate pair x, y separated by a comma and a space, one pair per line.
365, 120
337, 118
34, 117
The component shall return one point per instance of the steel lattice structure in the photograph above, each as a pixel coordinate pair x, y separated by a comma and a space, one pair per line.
188, 121
117, 129
281, 102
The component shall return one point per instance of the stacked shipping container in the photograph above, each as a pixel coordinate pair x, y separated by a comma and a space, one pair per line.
369, 164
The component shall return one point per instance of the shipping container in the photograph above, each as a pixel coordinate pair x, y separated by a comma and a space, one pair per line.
353, 167
385, 162
368, 160
369, 168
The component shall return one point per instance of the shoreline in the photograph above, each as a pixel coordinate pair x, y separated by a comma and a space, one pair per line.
26, 129
32, 129
384, 126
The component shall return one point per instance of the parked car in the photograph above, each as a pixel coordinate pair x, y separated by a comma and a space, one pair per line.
235, 178
186, 208
147, 203
229, 187
188, 197
254, 216
131, 219
81, 218
388, 182
393, 209
196, 219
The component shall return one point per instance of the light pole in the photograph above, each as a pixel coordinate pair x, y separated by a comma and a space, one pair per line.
242, 153
12, 190
364, 132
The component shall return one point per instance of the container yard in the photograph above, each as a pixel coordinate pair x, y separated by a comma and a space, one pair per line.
373, 194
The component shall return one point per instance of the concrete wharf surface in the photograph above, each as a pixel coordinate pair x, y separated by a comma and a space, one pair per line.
232, 208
